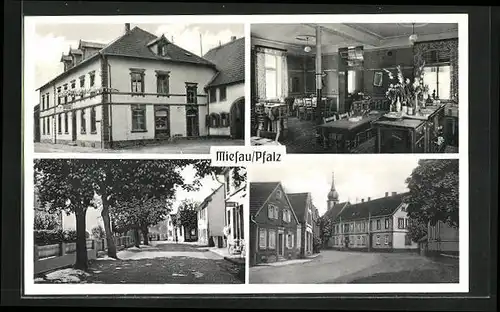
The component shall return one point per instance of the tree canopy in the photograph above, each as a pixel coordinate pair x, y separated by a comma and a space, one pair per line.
187, 215
433, 192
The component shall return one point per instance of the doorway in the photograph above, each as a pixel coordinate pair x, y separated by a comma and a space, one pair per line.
280, 245
237, 113
73, 126
162, 129
192, 121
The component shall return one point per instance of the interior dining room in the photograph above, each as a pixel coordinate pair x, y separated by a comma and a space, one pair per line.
355, 88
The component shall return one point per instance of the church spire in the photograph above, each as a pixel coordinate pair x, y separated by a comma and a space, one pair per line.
333, 195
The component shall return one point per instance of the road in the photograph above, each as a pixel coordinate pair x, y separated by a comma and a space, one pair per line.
159, 263
360, 267
199, 146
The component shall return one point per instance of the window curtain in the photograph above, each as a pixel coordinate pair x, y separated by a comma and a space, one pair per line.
260, 70
450, 46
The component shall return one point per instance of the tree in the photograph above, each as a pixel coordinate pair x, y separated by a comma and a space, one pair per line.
98, 232
325, 229
187, 215
433, 195
204, 168
45, 220
63, 185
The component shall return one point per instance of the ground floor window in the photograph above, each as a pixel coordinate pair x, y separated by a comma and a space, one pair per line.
43, 125
66, 129
378, 239
387, 240
59, 124
290, 241
272, 239
48, 125
93, 122
139, 117
262, 238
83, 122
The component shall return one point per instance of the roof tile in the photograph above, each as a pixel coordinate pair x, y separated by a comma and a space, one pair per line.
230, 62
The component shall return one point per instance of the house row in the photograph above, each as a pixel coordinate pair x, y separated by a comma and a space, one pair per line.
282, 226
141, 88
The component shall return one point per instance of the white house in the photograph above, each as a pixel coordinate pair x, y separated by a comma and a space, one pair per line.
211, 218
226, 109
136, 89
236, 200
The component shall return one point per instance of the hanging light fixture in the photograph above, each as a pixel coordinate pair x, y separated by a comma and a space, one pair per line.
307, 48
413, 37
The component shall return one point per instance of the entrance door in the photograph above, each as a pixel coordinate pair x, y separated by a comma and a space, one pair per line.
162, 129
73, 126
238, 119
280, 244
192, 121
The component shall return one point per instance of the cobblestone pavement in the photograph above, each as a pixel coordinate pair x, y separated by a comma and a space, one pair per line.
201, 146
360, 267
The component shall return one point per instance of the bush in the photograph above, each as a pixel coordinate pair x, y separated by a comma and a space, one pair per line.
98, 232
44, 237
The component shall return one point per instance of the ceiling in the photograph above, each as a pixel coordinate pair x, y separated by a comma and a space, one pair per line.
334, 36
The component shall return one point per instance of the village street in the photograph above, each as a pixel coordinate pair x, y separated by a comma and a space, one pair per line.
359, 267
161, 262
201, 146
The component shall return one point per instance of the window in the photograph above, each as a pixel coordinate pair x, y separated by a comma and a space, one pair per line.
59, 124
73, 86
406, 223
378, 224
290, 241
351, 81
93, 122
278, 194
212, 95
48, 125
162, 82
386, 223
287, 215
83, 122
273, 76
92, 78
359, 240
162, 51
262, 238
137, 80
58, 95
222, 93
191, 92
386, 240
401, 223
138, 117
438, 78
66, 130
43, 101
378, 240
82, 81
224, 119
66, 94
346, 228
272, 211
43, 126
363, 240
298, 238
294, 85
352, 227
407, 240
272, 239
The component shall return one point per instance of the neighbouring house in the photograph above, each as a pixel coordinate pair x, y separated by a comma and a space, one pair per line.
235, 196
301, 204
36, 124
274, 228
159, 231
136, 89
226, 91
374, 225
211, 219
170, 227
441, 239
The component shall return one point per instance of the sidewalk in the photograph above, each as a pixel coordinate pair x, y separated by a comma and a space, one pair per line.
288, 262
223, 252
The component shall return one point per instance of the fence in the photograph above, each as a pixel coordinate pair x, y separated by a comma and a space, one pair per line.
51, 257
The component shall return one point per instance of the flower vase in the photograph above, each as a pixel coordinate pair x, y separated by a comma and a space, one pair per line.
398, 106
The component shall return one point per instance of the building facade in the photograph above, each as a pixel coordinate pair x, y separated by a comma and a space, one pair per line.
226, 92
305, 212
137, 89
274, 228
374, 225
211, 219
442, 238
235, 201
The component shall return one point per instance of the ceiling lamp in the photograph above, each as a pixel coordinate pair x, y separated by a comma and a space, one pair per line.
307, 48
413, 37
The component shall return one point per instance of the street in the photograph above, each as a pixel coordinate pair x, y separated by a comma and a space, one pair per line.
198, 146
360, 267
162, 263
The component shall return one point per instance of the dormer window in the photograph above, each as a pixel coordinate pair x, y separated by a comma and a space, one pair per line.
162, 49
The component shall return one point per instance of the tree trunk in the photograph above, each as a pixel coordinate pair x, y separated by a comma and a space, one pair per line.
145, 233
137, 238
107, 228
81, 241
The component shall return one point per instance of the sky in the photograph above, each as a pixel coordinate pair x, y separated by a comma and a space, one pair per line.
51, 40
355, 177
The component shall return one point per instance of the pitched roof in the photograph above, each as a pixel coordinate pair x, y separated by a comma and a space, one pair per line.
230, 62
299, 204
334, 211
135, 44
75, 51
375, 208
259, 193
208, 199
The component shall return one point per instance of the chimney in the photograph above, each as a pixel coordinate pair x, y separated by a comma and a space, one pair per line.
233, 38
394, 193
386, 194
362, 200
127, 27
369, 198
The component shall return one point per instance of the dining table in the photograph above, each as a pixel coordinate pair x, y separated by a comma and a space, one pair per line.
347, 127
258, 141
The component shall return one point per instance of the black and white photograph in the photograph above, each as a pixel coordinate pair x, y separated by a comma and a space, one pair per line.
134, 221
348, 221
135, 87
356, 87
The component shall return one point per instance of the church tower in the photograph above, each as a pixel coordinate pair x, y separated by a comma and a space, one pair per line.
333, 196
